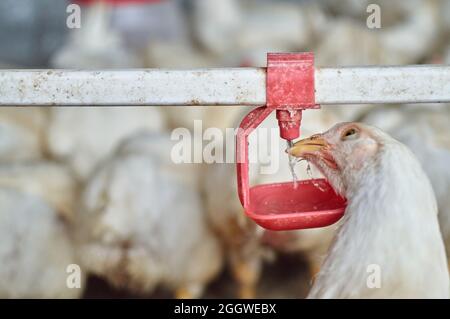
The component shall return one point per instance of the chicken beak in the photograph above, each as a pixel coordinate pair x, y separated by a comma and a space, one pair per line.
309, 145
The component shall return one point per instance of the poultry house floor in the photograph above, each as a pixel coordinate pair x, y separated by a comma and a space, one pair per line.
286, 277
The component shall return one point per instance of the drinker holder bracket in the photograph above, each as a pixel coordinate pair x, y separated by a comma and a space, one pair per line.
288, 85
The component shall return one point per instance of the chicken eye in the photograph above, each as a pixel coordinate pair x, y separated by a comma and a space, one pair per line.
349, 133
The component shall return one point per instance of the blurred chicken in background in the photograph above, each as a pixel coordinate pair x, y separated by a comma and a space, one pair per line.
141, 224
35, 249
51, 181
22, 133
83, 136
37, 201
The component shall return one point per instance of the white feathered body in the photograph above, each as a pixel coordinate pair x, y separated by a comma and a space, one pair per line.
37, 202
425, 131
390, 222
142, 223
22, 133
52, 182
84, 136
35, 249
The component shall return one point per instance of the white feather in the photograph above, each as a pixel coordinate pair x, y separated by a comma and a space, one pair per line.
35, 249
142, 222
390, 221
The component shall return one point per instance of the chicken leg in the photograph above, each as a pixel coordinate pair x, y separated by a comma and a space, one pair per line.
189, 291
247, 273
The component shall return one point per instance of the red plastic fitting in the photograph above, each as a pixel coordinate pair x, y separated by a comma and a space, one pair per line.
290, 89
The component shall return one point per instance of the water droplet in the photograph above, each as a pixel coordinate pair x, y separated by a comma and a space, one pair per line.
314, 181
292, 162
308, 171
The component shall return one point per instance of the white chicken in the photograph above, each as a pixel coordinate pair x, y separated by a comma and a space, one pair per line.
240, 33
22, 133
424, 129
390, 223
96, 44
52, 182
224, 27
84, 136
35, 249
141, 224
393, 43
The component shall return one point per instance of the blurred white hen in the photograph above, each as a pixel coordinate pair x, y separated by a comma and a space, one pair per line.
83, 136
36, 207
395, 42
35, 249
22, 133
142, 225
50, 181
96, 44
